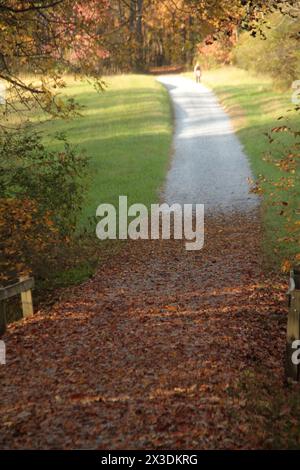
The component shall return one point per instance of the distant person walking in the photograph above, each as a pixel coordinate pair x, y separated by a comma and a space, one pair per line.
197, 72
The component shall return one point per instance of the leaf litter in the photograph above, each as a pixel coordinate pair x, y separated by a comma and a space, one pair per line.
161, 349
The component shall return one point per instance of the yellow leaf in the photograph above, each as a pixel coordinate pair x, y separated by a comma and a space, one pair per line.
286, 266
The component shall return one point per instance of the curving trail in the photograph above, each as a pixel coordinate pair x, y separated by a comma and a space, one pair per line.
209, 166
162, 348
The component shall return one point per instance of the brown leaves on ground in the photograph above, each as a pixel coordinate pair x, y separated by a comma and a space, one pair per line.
163, 348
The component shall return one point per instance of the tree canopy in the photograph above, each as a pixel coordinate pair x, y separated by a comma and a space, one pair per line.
87, 36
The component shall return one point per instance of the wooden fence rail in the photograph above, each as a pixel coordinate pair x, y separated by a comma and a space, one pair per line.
293, 328
23, 288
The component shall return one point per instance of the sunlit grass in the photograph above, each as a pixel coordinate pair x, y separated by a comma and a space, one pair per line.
255, 106
126, 133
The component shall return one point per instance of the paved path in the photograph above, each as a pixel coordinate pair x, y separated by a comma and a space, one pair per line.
209, 166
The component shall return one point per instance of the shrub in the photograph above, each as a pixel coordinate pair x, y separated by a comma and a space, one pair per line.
41, 193
275, 52
28, 238
284, 193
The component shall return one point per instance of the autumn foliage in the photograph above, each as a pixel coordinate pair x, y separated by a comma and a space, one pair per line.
27, 238
40, 199
216, 52
283, 192
46, 39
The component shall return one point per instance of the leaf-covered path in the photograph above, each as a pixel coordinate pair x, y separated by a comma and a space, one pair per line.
163, 348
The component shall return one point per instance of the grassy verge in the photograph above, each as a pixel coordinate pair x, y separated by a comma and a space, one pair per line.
255, 107
126, 131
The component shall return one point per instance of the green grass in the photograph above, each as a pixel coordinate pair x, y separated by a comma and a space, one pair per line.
255, 106
126, 132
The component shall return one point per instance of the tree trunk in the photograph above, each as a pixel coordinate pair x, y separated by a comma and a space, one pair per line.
132, 15
140, 66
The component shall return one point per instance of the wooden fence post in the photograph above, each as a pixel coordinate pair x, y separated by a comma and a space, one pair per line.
26, 299
293, 328
2, 317
22, 287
